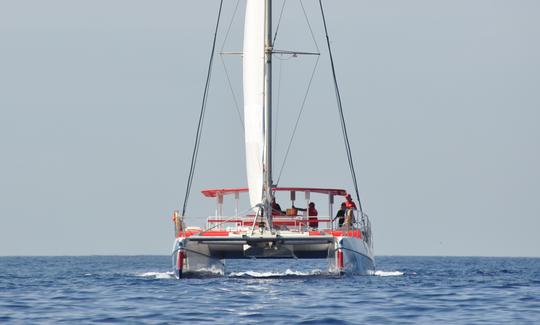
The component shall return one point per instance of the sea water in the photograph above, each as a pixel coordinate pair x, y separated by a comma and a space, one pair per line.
142, 289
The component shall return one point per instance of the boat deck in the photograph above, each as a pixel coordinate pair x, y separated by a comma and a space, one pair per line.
196, 234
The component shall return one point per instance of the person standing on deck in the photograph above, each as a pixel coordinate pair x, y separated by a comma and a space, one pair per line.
276, 208
340, 215
349, 214
312, 215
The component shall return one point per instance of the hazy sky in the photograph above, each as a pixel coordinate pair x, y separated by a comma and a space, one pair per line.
99, 102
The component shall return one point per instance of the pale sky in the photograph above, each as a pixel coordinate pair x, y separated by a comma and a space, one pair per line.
99, 103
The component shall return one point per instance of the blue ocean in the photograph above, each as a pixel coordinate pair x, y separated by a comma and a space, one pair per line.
142, 290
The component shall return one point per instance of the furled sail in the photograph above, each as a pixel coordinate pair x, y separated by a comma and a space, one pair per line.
253, 80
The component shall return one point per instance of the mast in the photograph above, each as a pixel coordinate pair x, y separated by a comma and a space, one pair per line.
268, 47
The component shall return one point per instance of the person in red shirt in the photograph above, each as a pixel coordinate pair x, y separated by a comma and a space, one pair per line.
350, 206
312, 215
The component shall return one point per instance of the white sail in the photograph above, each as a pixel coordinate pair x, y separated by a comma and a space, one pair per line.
253, 80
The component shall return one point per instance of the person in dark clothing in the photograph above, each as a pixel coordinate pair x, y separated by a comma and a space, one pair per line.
276, 208
340, 215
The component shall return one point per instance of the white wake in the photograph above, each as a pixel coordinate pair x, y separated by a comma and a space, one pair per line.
157, 275
256, 274
288, 272
387, 273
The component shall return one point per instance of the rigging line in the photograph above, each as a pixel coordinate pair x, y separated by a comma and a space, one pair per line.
279, 22
201, 115
309, 25
232, 92
298, 120
280, 57
340, 110
230, 25
277, 113
231, 88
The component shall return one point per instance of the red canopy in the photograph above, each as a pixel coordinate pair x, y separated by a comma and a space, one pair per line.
226, 191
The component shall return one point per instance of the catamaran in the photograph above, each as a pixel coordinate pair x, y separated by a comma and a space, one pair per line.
265, 231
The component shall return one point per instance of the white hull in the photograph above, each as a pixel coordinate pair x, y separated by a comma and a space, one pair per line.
357, 256
345, 255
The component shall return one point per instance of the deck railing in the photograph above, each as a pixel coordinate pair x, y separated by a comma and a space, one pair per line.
279, 222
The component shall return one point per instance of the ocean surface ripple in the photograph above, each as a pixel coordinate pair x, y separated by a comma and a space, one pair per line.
142, 290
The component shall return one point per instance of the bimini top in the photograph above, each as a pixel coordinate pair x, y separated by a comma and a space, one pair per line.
226, 191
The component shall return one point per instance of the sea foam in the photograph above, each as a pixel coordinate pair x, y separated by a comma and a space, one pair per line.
387, 273
157, 275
